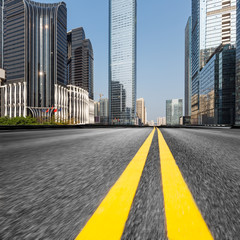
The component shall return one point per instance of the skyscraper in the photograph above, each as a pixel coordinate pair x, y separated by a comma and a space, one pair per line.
35, 50
217, 88
80, 60
188, 66
174, 110
122, 61
213, 24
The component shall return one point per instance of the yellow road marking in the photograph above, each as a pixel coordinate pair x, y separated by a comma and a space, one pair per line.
108, 222
184, 220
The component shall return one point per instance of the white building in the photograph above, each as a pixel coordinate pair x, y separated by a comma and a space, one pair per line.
141, 110
161, 121
151, 123
71, 104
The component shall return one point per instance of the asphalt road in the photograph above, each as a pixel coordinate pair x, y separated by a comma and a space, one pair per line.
52, 181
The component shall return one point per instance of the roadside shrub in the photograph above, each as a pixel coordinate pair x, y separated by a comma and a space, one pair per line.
18, 121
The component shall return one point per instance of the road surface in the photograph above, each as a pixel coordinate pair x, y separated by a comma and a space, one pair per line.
69, 183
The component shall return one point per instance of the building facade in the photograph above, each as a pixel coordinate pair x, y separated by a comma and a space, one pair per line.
213, 24
174, 110
35, 48
188, 67
80, 61
217, 87
122, 61
141, 110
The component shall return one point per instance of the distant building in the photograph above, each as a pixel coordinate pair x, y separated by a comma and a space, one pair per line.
217, 88
97, 112
80, 60
188, 66
141, 110
174, 110
151, 123
122, 61
161, 121
104, 111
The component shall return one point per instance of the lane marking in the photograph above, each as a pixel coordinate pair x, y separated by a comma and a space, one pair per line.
183, 219
108, 221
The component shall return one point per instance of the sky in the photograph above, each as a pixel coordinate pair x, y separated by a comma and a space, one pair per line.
160, 47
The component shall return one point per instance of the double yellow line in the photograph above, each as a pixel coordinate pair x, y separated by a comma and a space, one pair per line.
184, 221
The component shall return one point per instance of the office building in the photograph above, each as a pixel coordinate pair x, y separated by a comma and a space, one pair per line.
141, 110
174, 110
161, 121
188, 67
104, 111
35, 50
217, 87
213, 24
80, 61
35, 60
122, 61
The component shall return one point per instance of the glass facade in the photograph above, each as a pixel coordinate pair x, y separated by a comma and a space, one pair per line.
207, 91
188, 67
174, 110
122, 61
198, 46
80, 61
213, 24
217, 88
237, 115
35, 38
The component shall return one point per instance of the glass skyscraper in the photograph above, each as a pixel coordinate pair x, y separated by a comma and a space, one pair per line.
213, 24
188, 66
35, 52
122, 61
80, 61
217, 87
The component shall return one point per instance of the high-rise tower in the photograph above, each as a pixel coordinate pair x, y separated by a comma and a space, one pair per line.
80, 61
213, 24
35, 54
122, 61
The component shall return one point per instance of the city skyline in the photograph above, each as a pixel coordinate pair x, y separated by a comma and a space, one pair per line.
156, 82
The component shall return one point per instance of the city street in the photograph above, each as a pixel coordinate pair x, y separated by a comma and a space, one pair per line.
80, 183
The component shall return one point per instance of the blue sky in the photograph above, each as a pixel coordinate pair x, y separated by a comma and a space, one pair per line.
160, 55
